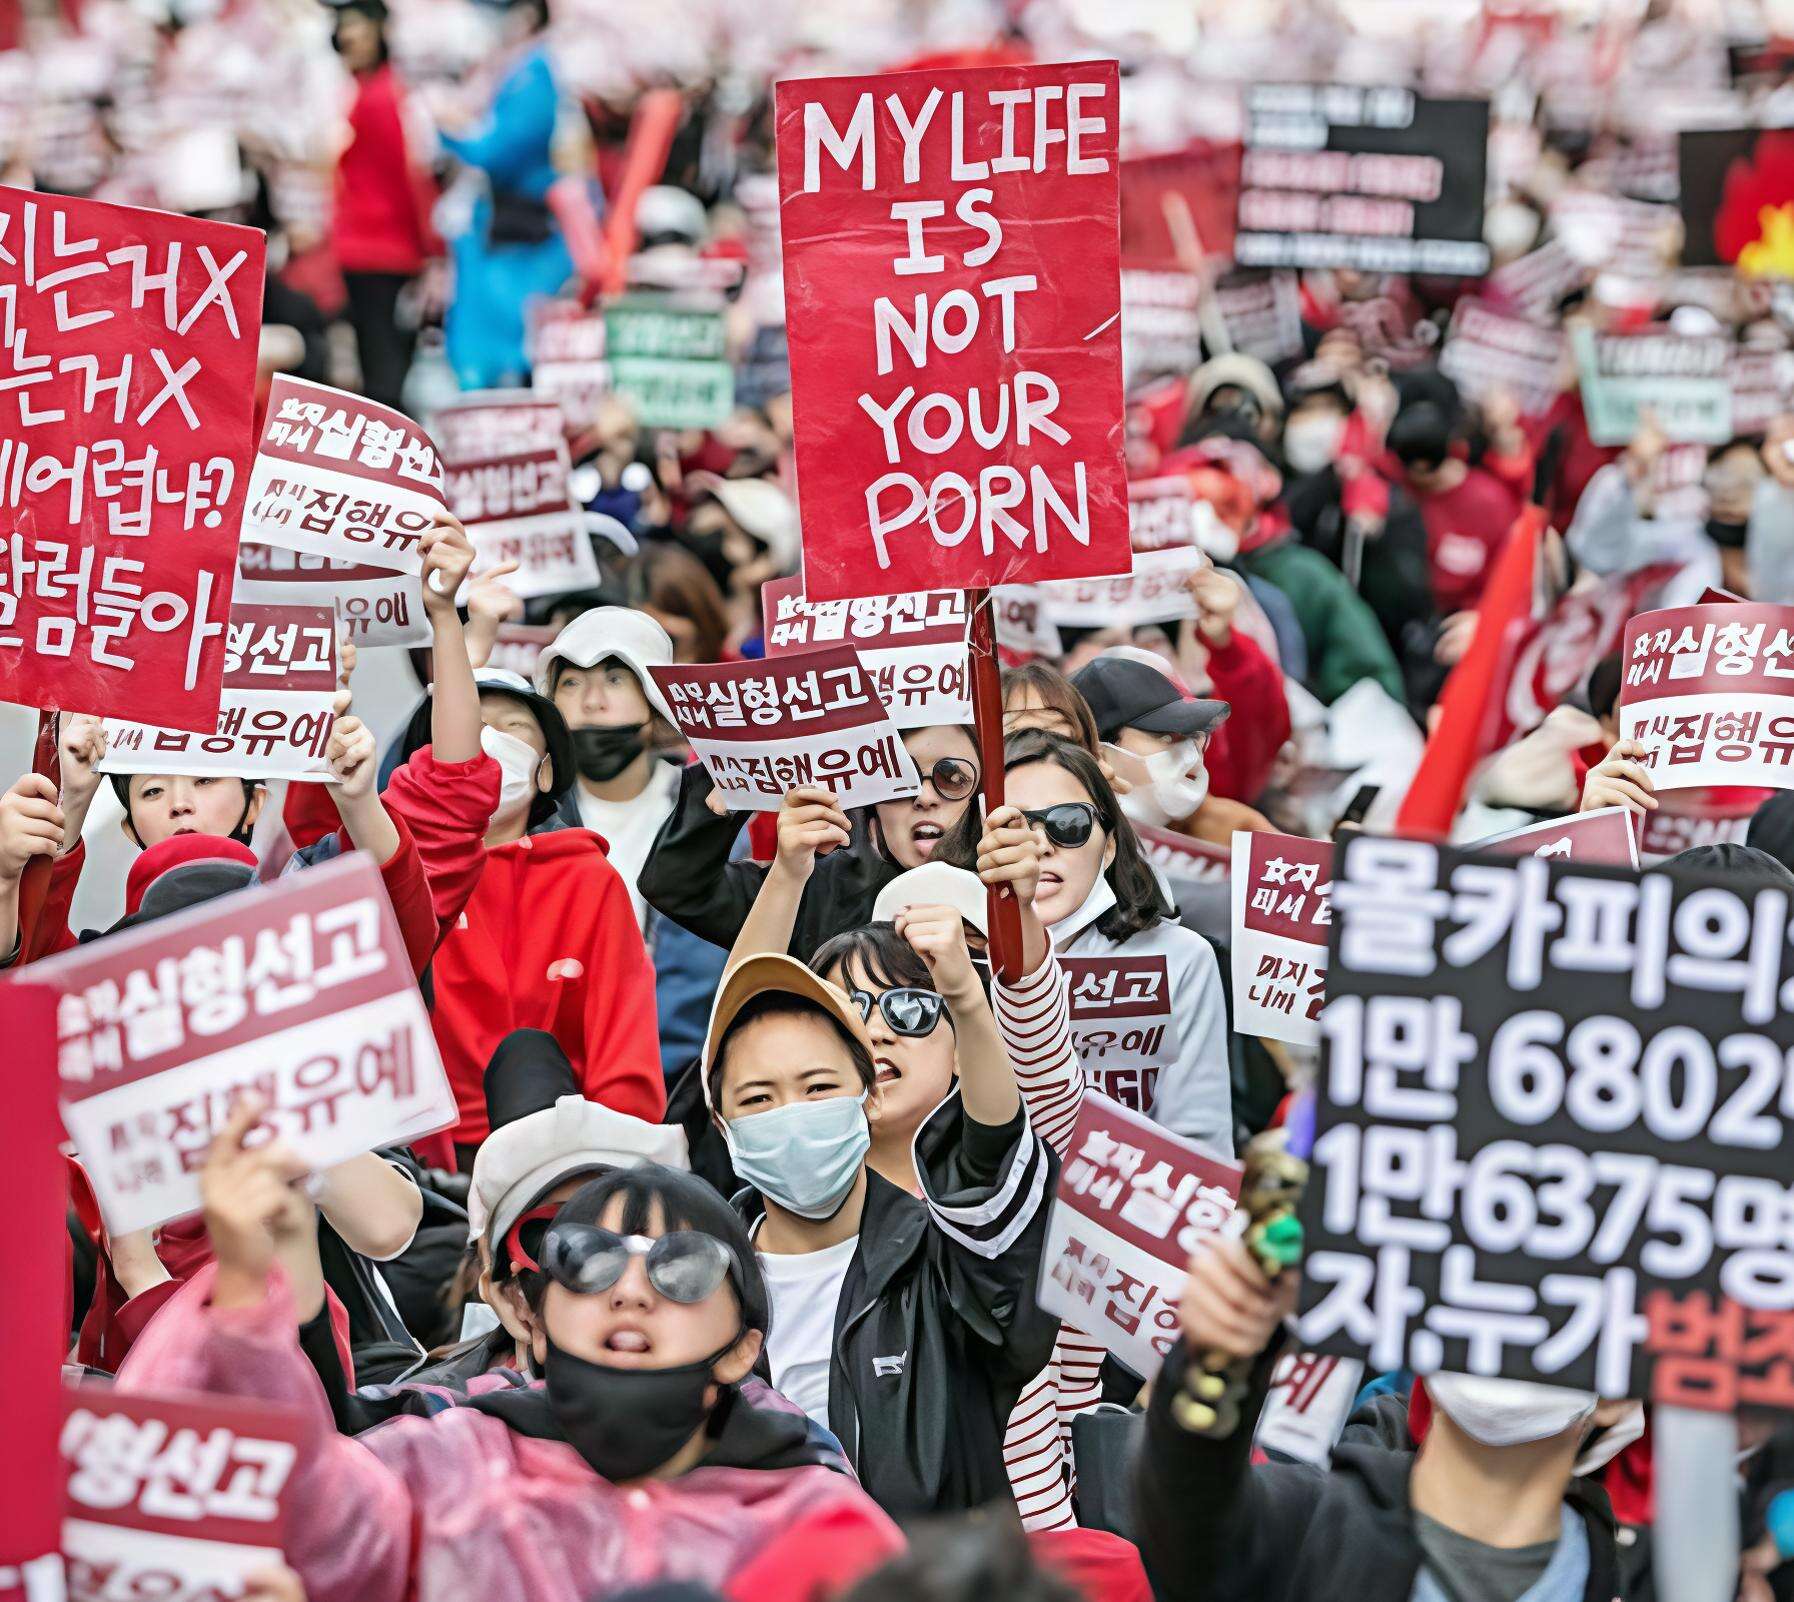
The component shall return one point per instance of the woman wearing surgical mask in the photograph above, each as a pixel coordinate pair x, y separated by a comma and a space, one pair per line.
646, 1450
904, 1323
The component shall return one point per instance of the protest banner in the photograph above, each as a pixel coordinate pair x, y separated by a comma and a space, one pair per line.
1161, 322
1684, 818
1181, 856
1682, 380
275, 717
1198, 186
125, 442
953, 301
1377, 179
1552, 1126
1762, 384
1309, 1400
1262, 313
668, 361
1134, 1201
567, 364
1709, 692
1161, 514
343, 477
1486, 352
1534, 284
1608, 834
517, 647
374, 606
298, 990
1122, 1024
913, 646
812, 717
1737, 199
1281, 886
505, 463
1019, 618
1157, 591
182, 1498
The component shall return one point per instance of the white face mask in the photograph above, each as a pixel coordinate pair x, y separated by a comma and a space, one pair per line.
1312, 441
518, 764
1176, 785
1502, 1412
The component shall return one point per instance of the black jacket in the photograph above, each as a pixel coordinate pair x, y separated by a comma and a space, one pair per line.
688, 876
1214, 1528
937, 1330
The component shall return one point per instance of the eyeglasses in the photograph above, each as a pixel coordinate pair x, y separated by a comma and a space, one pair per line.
1068, 825
911, 1013
683, 1265
953, 778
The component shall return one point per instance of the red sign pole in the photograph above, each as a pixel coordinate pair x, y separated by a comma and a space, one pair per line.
987, 711
34, 883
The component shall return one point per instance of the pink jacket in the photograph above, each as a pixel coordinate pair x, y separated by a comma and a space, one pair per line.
458, 1505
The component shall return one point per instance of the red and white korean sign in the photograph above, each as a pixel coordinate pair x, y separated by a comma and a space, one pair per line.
1134, 1201
504, 455
1161, 322
1709, 692
1487, 352
1019, 621
1180, 856
180, 1498
1122, 1025
953, 299
518, 646
1685, 818
1606, 835
280, 681
1157, 591
374, 606
1307, 1406
344, 477
1282, 916
813, 717
567, 364
1161, 514
298, 990
914, 646
127, 382
1262, 313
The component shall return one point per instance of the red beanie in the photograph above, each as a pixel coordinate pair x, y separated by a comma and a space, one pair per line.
176, 852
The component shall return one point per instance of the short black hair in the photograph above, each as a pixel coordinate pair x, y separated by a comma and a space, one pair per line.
1421, 435
787, 1004
1604, 684
1726, 858
883, 955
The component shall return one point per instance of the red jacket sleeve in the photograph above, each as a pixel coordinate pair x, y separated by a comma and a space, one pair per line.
1244, 747
51, 932
309, 814
448, 806
408, 889
621, 1030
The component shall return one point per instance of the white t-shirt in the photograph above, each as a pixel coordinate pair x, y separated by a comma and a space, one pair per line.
629, 827
806, 1289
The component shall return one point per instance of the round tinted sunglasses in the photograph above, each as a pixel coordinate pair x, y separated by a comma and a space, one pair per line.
913, 1013
1068, 825
683, 1265
953, 778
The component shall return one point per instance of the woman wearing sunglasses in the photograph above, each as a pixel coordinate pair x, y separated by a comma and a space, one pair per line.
830, 886
645, 1454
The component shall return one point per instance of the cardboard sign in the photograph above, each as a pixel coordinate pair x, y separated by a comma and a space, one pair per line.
812, 717
126, 392
374, 606
567, 364
1685, 818
1552, 1126
1157, 591
913, 646
1682, 380
1282, 884
1381, 180
668, 362
1179, 856
1134, 1201
1486, 352
1607, 835
1122, 1025
299, 990
505, 461
1262, 313
1709, 691
1161, 322
343, 477
275, 718
953, 301
173, 1497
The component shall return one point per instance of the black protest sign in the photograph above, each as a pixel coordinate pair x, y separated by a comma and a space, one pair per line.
1379, 179
1737, 199
1552, 1132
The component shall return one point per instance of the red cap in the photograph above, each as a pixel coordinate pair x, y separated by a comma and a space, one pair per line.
176, 852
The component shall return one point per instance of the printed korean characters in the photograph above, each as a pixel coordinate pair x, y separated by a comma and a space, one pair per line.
1156, 591
1552, 1125
1282, 886
913, 646
342, 477
668, 360
275, 718
179, 1498
1486, 352
1685, 818
1684, 381
567, 364
1709, 692
1134, 1201
1122, 1025
374, 606
298, 990
127, 381
811, 718
1608, 835
1262, 313
953, 301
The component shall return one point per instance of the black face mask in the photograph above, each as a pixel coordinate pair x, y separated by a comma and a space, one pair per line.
626, 1422
601, 754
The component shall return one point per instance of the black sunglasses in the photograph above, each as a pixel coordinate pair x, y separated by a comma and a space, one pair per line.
912, 1013
953, 778
683, 1265
1068, 825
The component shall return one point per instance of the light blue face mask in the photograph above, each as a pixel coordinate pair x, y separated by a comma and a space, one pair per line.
805, 1156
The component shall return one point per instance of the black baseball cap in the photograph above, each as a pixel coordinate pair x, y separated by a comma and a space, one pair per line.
1130, 695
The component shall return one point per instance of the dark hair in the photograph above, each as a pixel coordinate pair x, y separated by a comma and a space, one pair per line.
1604, 684
669, 578
1058, 694
1420, 435
957, 1560
787, 1004
1747, 864
1138, 903
371, 11
121, 787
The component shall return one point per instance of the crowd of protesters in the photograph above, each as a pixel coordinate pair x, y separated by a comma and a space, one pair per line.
723, 1283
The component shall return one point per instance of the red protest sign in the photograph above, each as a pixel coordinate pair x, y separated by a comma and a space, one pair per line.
1181, 856
1122, 1024
1605, 835
126, 394
1685, 818
952, 295
374, 606
299, 990
1282, 916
